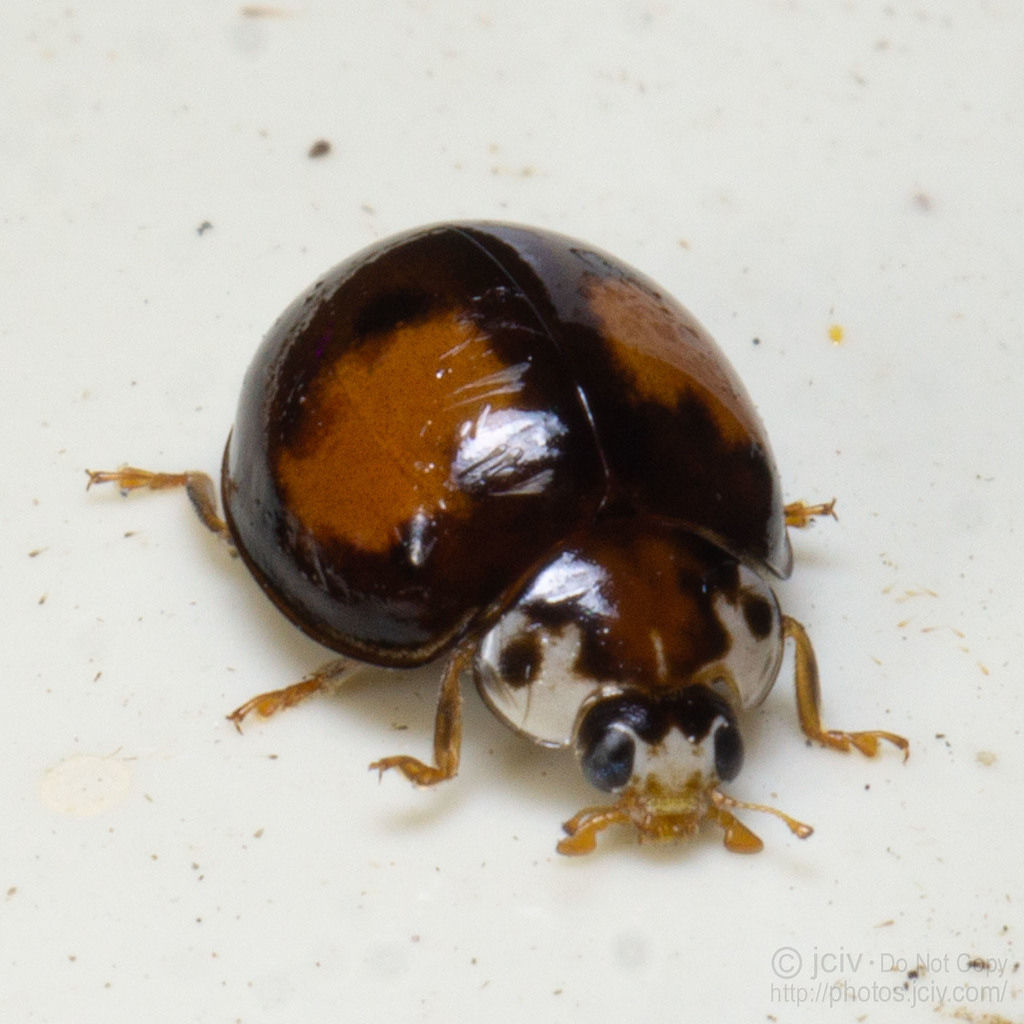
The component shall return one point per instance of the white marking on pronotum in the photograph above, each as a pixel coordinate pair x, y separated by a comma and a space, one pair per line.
659, 654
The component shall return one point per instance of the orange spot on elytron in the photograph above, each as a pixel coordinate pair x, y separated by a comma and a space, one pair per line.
835, 334
667, 356
375, 446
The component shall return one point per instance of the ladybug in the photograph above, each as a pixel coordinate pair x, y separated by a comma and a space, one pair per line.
502, 447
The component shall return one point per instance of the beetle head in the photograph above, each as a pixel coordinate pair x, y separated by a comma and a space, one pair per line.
673, 744
664, 759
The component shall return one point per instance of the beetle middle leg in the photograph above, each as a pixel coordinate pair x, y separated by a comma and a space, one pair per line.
808, 702
198, 486
447, 729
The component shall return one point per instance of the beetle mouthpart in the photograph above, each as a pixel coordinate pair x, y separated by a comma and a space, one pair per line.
660, 815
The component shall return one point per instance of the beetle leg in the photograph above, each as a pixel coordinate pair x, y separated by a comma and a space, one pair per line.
447, 729
808, 702
198, 486
326, 677
799, 514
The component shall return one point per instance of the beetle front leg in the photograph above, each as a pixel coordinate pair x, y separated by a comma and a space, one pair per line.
808, 702
198, 486
447, 729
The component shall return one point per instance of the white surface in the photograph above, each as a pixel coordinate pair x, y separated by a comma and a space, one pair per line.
780, 167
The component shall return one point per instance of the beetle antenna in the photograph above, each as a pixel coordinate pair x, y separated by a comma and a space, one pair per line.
798, 828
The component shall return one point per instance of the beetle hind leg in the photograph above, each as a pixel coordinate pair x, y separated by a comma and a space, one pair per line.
327, 677
799, 514
808, 703
198, 486
447, 730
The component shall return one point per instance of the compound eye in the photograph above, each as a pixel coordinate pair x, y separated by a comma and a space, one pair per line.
607, 761
728, 750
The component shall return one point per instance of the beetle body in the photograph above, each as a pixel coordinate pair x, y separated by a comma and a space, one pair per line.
506, 446
439, 412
